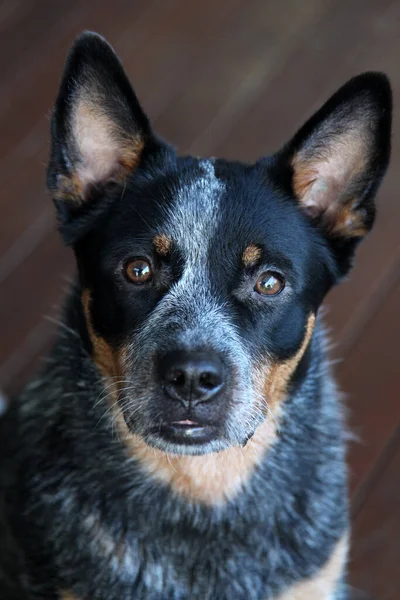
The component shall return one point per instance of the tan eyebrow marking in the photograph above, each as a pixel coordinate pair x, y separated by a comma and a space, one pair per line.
162, 244
251, 255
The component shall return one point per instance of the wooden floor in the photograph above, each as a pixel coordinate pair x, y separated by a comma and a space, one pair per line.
232, 78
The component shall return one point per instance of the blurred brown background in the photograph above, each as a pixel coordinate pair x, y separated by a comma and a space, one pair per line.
232, 78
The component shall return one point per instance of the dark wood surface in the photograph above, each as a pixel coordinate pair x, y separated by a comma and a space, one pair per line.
232, 78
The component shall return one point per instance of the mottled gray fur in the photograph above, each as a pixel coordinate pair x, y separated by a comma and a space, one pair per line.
87, 517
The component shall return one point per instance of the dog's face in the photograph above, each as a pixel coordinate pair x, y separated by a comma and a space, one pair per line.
200, 297
201, 278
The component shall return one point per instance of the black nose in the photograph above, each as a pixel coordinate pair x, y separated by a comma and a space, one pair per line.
191, 377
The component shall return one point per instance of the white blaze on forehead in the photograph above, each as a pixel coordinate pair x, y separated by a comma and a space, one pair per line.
193, 222
194, 214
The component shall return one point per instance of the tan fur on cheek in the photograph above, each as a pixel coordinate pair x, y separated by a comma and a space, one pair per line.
322, 585
108, 360
276, 378
210, 479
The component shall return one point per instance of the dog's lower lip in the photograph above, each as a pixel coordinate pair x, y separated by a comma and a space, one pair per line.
184, 432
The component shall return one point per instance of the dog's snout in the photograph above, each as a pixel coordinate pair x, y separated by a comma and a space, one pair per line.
192, 377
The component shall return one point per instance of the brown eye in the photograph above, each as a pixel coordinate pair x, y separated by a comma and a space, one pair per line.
269, 284
138, 271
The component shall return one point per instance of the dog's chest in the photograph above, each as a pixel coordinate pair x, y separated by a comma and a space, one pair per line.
210, 568
180, 568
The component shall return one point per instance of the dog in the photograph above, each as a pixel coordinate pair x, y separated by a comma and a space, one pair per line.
185, 439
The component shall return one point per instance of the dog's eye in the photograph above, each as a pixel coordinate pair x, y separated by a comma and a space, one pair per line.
138, 271
269, 284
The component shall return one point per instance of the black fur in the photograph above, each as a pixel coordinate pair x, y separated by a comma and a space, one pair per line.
77, 512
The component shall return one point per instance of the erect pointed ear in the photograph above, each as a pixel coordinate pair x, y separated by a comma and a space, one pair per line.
338, 158
99, 130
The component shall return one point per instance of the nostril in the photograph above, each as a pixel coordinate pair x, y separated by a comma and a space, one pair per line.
209, 381
177, 377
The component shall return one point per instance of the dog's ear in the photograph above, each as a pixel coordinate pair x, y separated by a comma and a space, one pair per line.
336, 161
99, 130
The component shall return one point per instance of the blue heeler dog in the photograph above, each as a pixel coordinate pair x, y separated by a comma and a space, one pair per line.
185, 440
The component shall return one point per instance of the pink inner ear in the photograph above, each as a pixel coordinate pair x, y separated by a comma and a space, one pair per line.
324, 183
104, 151
320, 188
99, 149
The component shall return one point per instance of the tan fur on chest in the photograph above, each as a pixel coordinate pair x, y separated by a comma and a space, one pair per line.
321, 586
210, 479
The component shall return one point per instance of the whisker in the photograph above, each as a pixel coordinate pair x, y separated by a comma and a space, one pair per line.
61, 324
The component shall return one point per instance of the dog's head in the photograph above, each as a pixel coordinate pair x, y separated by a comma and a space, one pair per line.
201, 278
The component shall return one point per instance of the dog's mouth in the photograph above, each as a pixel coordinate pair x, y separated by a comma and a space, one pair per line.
197, 428
185, 432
